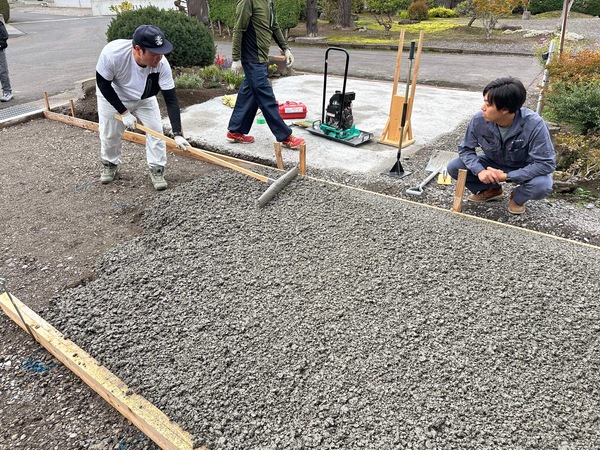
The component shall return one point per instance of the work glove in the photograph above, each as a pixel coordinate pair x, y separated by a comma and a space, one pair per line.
182, 142
129, 120
236, 67
289, 58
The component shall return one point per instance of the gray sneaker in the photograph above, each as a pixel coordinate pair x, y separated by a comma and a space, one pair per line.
109, 173
158, 179
6, 97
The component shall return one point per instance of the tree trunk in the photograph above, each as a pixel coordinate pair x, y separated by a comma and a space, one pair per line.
344, 18
312, 16
199, 10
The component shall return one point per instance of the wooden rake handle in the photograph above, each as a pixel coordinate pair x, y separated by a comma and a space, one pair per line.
202, 154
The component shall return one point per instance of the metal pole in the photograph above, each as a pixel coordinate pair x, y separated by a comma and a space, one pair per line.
540, 103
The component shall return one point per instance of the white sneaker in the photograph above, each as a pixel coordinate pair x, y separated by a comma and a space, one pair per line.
6, 97
158, 178
109, 173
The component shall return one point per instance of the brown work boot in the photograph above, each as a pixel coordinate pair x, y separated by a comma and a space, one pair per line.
514, 207
486, 196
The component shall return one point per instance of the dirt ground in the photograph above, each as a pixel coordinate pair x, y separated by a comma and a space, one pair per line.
57, 219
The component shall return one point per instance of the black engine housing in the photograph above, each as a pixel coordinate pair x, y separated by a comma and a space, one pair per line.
338, 103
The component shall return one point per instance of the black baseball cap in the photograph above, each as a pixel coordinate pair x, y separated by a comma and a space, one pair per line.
152, 38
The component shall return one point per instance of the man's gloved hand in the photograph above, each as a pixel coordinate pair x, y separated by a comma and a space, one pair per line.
236, 67
129, 120
289, 58
182, 142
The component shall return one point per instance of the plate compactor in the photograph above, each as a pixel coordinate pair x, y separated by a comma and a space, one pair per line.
337, 121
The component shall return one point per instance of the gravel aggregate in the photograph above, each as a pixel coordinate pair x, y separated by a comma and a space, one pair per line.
335, 318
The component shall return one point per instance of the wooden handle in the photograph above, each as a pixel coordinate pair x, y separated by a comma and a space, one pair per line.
201, 153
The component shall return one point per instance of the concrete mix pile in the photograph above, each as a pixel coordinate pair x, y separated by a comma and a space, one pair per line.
335, 319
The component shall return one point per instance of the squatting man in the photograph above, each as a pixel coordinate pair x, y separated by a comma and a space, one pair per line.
129, 75
516, 148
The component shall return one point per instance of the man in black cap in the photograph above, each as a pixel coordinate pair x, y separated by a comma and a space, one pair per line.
129, 74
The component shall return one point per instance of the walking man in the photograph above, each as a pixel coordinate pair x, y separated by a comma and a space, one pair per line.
129, 75
516, 148
255, 24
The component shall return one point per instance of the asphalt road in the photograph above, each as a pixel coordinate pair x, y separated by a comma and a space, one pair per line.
54, 52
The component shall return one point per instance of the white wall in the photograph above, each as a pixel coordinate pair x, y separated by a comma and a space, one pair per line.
73, 3
101, 7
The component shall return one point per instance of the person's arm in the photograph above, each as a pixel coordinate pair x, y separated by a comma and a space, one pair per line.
466, 149
109, 93
243, 14
541, 156
173, 111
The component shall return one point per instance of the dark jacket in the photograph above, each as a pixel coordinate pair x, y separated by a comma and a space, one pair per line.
3, 36
526, 150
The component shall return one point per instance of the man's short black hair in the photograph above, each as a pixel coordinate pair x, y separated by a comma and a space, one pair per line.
506, 93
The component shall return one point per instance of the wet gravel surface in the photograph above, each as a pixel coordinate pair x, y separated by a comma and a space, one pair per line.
335, 318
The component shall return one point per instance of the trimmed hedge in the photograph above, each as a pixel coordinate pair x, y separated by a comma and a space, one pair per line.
193, 42
5, 10
581, 6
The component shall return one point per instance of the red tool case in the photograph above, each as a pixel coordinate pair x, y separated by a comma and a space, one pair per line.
292, 110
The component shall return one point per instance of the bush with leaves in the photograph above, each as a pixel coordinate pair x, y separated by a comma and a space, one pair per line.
581, 6
578, 156
288, 14
384, 11
193, 42
465, 9
418, 10
574, 92
490, 12
222, 11
5, 10
441, 12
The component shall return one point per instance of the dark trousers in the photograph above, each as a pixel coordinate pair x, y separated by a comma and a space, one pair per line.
256, 92
534, 189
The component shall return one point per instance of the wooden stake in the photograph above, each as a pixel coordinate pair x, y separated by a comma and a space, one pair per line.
302, 159
278, 156
72, 108
139, 411
47, 101
460, 189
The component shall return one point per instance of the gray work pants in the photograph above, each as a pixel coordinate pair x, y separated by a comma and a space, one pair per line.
4, 80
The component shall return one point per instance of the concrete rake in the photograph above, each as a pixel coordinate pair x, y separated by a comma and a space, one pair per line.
275, 185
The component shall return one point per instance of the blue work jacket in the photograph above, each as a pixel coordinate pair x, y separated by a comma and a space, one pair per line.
525, 153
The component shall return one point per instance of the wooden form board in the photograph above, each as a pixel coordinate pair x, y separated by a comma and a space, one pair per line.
143, 414
391, 131
141, 139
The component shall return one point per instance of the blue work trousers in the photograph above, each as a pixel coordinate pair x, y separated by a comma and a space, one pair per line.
534, 189
256, 92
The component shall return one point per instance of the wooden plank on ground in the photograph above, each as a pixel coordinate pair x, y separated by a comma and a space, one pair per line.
141, 139
143, 414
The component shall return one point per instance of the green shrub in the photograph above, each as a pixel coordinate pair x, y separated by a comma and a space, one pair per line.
418, 10
189, 81
288, 13
212, 76
192, 41
441, 12
581, 6
222, 11
577, 104
578, 156
5, 10
465, 9
233, 80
